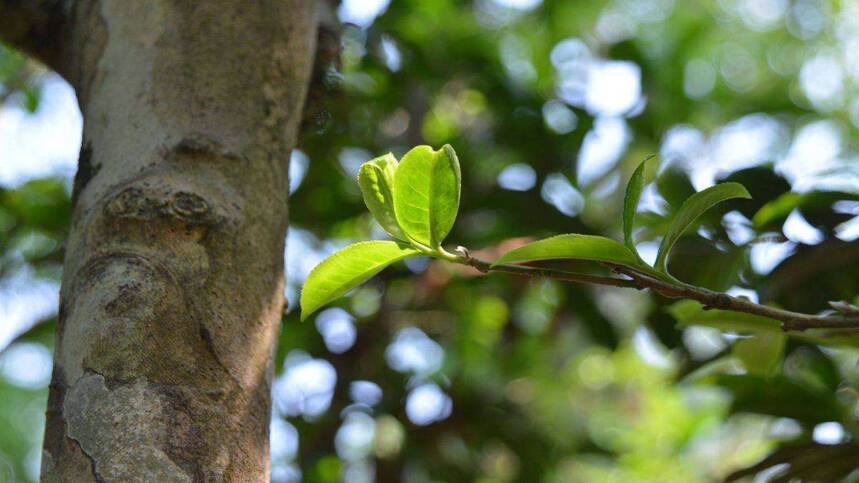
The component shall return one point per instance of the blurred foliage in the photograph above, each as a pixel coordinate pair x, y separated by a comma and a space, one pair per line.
504, 379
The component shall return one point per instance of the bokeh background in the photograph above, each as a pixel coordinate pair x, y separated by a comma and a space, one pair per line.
432, 373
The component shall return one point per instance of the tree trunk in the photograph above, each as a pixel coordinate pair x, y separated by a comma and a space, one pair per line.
173, 284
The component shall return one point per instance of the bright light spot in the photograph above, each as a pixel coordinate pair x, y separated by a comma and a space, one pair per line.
27, 365
365, 392
765, 256
828, 433
807, 18
519, 4
602, 147
699, 78
849, 230
614, 87
337, 328
615, 25
306, 386
303, 252
822, 80
798, 230
651, 201
24, 300
298, 164
703, 342
649, 349
682, 141
762, 15
426, 404
361, 12
390, 53
517, 177
743, 143
558, 191
285, 473
412, 351
354, 439
648, 250
743, 292
738, 227
559, 118
814, 152
284, 439
44, 143
351, 160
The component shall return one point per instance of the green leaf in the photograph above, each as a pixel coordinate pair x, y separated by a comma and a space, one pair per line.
347, 269
426, 194
572, 246
763, 353
376, 178
630, 202
691, 209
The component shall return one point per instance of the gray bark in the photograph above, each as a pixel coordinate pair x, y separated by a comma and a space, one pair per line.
173, 281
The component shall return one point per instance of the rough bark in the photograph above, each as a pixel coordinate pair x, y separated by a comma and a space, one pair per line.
173, 283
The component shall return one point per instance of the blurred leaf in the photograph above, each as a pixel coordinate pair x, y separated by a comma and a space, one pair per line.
376, 178
426, 194
691, 209
806, 462
347, 269
763, 353
780, 396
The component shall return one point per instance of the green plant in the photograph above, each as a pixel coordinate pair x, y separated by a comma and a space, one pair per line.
416, 202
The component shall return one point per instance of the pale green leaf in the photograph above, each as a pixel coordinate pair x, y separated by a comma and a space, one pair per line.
572, 246
762, 354
630, 202
376, 178
691, 209
348, 268
426, 194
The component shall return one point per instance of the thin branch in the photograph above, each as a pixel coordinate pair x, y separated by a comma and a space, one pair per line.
679, 290
719, 300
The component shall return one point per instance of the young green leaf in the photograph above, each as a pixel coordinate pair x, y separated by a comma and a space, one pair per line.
572, 246
348, 268
690, 210
376, 178
630, 202
426, 194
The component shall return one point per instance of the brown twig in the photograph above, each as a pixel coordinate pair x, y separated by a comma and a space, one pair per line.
676, 290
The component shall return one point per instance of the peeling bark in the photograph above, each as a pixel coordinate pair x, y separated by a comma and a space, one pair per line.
173, 282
